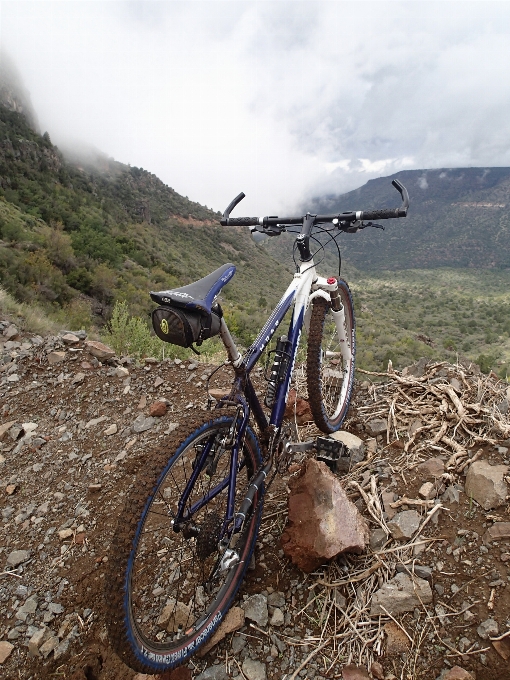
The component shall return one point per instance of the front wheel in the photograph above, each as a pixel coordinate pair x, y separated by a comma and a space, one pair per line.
166, 590
330, 361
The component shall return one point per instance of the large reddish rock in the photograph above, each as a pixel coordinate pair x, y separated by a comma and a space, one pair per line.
99, 350
158, 409
298, 408
322, 521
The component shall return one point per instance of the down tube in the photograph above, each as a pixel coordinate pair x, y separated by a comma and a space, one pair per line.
295, 328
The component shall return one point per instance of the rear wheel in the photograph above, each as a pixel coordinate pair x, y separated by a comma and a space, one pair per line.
167, 591
329, 364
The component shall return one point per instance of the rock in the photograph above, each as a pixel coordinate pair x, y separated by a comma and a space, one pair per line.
497, 531
417, 370
401, 594
55, 608
457, 673
65, 533
56, 357
111, 430
488, 628
238, 644
99, 350
253, 669
70, 339
158, 382
387, 498
95, 421
216, 672
378, 538
352, 672
5, 428
456, 384
48, 646
174, 614
355, 445
397, 641
427, 491
30, 607
451, 495
377, 670
11, 332
255, 609
142, 403
298, 409
121, 372
322, 521
277, 619
376, 427
5, 650
433, 467
503, 407
78, 379
232, 622
36, 641
141, 424
502, 647
276, 599
17, 557
486, 484
158, 409
404, 524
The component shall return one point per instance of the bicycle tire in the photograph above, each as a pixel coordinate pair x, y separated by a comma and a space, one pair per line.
134, 602
330, 379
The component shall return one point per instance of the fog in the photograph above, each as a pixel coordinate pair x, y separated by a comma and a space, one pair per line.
282, 100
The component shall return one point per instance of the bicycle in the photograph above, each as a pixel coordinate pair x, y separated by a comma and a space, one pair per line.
192, 518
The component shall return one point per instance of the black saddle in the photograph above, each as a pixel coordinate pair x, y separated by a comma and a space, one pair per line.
197, 295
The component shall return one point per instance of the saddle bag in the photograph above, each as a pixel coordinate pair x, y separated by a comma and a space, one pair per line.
183, 327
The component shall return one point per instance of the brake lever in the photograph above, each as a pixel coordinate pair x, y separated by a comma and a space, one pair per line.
274, 230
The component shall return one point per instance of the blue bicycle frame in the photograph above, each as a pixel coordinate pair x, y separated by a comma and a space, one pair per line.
299, 294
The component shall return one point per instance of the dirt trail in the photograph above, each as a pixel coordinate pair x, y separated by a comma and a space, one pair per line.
78, 429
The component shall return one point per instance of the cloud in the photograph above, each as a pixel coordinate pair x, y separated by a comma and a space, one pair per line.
282, 100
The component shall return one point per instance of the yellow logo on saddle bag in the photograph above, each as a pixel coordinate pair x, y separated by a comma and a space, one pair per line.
164, 326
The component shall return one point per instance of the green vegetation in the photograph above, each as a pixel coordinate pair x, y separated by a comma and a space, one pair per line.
441, 314
77, 237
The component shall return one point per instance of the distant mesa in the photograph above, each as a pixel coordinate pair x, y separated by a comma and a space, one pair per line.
13, 94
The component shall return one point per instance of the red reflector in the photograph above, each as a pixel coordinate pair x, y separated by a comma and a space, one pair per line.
331, 280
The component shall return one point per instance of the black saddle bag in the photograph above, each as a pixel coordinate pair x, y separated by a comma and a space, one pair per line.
183, 327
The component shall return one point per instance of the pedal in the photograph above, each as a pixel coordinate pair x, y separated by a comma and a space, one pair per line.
330, 451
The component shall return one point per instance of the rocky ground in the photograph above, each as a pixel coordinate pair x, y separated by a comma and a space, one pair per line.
429, 596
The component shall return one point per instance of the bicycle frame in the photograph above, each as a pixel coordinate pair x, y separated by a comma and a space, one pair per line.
305, 286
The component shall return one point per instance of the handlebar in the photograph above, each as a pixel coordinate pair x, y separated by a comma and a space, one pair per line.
274, 225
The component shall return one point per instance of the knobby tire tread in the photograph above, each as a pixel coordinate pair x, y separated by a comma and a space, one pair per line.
146, 473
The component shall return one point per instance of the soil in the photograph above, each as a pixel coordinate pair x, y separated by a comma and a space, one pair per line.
72, 475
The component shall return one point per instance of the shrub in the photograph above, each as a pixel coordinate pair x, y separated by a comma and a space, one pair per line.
130, 335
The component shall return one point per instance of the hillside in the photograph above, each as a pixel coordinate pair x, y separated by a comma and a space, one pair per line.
458, 218
78, 235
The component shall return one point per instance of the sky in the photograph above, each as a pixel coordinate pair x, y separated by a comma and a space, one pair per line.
284, 100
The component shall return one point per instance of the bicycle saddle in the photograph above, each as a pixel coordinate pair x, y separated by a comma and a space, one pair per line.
198, 295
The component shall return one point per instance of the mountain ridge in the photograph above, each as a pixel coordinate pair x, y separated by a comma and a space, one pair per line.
458, 217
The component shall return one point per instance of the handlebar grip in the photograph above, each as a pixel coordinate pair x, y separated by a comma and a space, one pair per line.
386, 214
240, 221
